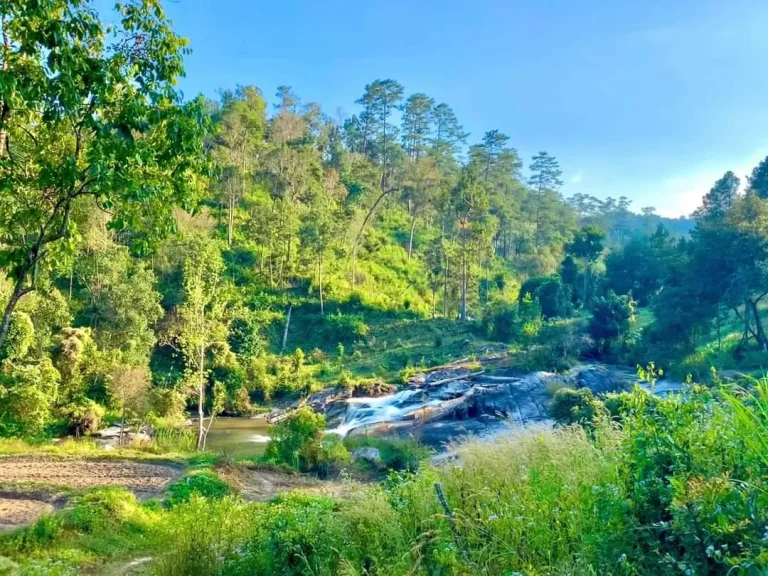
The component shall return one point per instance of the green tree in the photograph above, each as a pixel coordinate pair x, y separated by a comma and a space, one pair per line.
416, 124
82, 116
587, 245
202, 326
545, 179
757, 182
720, 199
612, 316
239, 128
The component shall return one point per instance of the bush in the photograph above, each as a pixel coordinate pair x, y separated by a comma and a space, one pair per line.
204, 483
345, 328
83, 416
27, 392
299, 442
554, 297
396, 454
576, 407
611, 318
295, 535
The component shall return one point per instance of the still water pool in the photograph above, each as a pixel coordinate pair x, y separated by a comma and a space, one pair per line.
238, 436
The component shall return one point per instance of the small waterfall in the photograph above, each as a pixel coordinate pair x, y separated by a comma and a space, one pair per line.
367, 411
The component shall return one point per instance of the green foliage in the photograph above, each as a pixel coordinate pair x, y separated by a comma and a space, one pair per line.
294, 535
82, 416
203, 483
505, 322
27, 396
299, 442
553, 295
611, 318
20, 337
345, 328
396, 454
576, 407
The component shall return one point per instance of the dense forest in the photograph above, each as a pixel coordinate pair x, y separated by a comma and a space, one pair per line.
152, 247
165, 258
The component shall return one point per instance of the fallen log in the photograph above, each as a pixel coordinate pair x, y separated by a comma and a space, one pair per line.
465, 376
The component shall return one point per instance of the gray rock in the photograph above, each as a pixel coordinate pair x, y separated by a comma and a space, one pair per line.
369, 454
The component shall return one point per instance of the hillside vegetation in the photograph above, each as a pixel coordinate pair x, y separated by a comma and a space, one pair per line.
166, 260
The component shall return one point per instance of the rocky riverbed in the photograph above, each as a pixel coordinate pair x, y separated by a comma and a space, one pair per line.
453, 402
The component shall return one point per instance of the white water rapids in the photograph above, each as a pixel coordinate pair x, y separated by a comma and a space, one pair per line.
391, 408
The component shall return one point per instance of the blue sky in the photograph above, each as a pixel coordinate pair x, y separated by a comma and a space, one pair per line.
651, 99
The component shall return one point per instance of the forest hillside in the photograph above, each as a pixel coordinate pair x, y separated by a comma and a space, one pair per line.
169, 263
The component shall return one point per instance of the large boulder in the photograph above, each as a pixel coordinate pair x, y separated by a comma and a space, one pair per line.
369, 454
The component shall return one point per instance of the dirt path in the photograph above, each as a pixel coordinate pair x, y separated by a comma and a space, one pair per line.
20, 506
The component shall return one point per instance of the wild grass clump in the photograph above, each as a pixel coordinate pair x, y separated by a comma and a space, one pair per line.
395, 454
202, 483
204, 535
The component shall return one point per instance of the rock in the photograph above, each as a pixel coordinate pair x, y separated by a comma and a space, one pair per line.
369, 454
600, 379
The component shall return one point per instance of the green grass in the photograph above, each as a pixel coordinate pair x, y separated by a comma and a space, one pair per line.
396, 345
675, 486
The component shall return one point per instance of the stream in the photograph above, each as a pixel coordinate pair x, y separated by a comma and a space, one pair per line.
238, 436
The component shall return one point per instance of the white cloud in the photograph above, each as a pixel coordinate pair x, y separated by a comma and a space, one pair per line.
576, 178
682, 194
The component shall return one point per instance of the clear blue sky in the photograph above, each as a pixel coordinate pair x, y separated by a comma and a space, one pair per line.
649, 99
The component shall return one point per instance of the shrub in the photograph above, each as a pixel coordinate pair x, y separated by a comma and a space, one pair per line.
396, 454
174, 439
83, 416
554, 297
204, 483
576, 407
27, 392
300, 442
611, 318
295, 535
345, 328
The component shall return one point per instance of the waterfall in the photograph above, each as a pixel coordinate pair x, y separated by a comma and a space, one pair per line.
366, 411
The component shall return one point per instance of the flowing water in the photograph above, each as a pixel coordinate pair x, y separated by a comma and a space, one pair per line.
238, 436
391, 408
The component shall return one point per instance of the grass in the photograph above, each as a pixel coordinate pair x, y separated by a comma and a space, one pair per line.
393, 346
84, 448
675, 486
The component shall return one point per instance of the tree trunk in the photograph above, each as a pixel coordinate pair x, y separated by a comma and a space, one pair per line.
463, 308
410, 241
761, 340
201, 401
445, 288
285, 330
230, 214
122, 425
359, 236
320, 282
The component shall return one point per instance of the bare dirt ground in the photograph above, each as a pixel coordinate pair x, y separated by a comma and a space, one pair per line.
144, 478
261, 483
17, 512
20, 506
